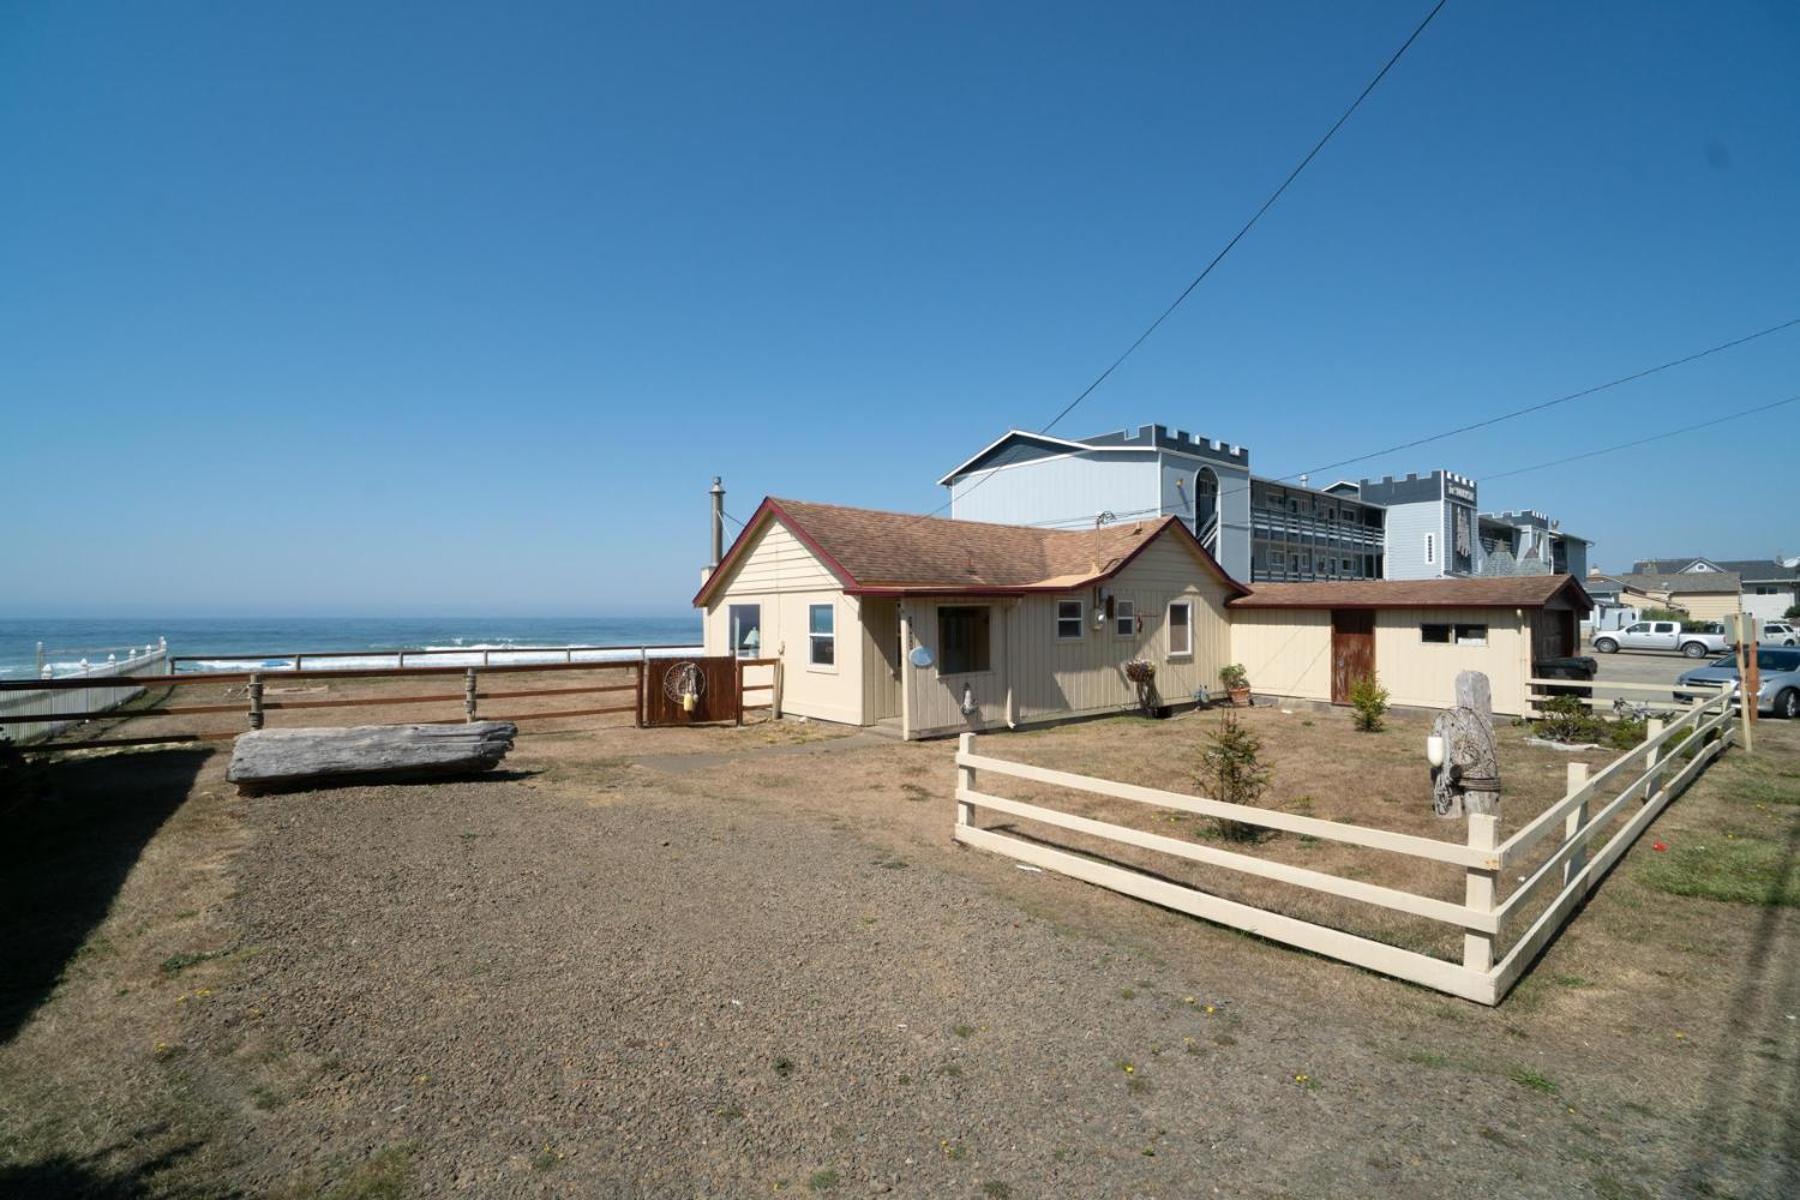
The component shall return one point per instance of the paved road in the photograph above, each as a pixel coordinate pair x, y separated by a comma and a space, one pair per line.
1643, 666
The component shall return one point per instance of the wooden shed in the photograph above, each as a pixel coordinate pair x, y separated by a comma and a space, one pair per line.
939, 626
1312, 641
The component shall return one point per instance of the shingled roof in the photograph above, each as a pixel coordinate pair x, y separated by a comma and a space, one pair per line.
1506, 591
888, 553
1704, 582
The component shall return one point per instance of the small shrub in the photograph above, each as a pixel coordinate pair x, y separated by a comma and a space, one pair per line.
1232, 771
1567, 719
1369, 702
1792, 614
1234, 676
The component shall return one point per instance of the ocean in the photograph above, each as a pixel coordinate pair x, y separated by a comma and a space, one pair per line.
67, 642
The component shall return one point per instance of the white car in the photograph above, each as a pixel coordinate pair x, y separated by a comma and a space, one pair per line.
1778, 633
1661, 635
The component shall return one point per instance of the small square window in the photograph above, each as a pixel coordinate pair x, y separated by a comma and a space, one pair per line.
1471, 635
1124, 618
1068, 620
1434, 633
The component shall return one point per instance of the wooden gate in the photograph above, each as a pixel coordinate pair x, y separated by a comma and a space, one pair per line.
1352, 650
713, 683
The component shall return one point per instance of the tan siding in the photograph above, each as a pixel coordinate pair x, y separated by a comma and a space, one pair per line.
880, 658
1053, 678
1285, 651
1708, 606
781, 575
1423, 674
779, 562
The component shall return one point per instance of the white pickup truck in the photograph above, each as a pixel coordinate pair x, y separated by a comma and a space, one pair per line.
1661, 635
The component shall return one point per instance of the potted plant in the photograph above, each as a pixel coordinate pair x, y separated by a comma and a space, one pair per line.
1142, 673
1237, 684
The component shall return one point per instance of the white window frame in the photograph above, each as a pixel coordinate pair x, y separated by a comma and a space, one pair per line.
1186, 651
1456, 633
1124, 619
731, 633
1080, 619
813, 640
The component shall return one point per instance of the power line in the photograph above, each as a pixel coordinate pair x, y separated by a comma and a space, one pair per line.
1541, 406
1655, 437
1251, 223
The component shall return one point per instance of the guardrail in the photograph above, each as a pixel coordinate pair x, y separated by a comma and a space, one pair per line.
1581, 815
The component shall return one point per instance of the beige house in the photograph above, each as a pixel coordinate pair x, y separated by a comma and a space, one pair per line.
938, 626
1311, 641
1702, 595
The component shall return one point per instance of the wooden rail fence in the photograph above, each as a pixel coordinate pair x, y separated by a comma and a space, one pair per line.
255, 705
1646, 774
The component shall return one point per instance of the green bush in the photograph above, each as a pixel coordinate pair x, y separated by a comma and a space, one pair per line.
1231, 770
1567, 719
1369, 702
1792, 614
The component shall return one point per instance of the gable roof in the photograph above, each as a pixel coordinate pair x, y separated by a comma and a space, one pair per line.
1014, 437
888, 553
1751, 570
1504, 591
1698, 582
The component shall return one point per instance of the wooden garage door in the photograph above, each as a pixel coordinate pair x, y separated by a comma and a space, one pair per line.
1352, 649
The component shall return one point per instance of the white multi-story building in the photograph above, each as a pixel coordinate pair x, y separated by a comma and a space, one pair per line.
1260, 530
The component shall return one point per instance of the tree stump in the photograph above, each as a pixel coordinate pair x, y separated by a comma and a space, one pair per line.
1469, 780
285, 759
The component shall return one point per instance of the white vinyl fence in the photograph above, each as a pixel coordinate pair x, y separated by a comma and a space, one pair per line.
147, 660
1645, 775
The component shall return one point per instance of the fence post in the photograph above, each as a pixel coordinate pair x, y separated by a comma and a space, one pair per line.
738, 667
1652, 730
1746, 714
965, 779
1478, 892
775, 690
256, 701
469, 696
1578, 777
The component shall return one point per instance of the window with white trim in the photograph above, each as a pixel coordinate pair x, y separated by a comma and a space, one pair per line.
1068, 620
821, 632
1124, 618
1471, 635
745, 629
1181, 628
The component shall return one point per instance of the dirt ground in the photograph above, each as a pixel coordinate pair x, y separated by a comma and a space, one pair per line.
735, 962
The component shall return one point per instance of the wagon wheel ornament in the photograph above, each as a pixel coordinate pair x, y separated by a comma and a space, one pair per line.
684, 683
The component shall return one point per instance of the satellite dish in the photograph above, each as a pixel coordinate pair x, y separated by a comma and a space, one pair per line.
921, 656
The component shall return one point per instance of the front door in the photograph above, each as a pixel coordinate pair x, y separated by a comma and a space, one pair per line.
1352, 650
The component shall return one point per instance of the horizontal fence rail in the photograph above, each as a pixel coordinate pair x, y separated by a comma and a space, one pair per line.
69, 709
31, 709
477, 655
1645, 774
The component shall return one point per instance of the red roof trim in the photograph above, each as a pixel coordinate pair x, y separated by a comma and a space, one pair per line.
766, 511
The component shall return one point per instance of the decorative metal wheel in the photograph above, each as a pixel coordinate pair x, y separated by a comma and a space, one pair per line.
682, 680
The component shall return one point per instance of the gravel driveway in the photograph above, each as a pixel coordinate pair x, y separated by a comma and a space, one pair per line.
649, 988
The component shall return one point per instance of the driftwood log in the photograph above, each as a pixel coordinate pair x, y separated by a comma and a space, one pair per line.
271, 760
1469, 780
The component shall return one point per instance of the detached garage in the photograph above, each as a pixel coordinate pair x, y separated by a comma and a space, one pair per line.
1312, 641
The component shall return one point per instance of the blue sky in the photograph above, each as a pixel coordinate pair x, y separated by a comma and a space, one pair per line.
444, 308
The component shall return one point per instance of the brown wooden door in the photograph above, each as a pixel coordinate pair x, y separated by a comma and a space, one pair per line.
1352, 650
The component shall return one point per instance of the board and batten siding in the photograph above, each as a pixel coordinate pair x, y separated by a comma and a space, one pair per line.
1284, 651
1422, 674
1044, 678
1287, 652
779, 573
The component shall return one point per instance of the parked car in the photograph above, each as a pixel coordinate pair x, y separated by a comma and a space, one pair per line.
1780, 669
1663, 635
1778, 633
